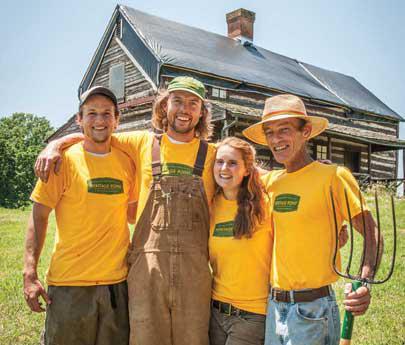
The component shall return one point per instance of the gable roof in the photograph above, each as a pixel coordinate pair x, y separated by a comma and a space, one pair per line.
169, 44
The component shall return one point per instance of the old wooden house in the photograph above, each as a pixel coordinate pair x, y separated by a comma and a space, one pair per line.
139, 53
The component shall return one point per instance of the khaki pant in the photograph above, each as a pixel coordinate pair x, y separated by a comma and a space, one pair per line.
246, 329
87, 315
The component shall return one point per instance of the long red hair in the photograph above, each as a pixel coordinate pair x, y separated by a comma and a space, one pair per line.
250, 198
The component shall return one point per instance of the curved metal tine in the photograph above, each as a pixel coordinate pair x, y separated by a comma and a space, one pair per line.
363, 257
394, 250
377, 210
349, 214
336, 236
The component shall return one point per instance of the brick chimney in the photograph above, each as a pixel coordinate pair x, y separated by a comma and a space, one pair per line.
240, 24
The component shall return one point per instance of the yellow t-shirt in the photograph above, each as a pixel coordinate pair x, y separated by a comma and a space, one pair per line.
304, 228
241, 267
177, 159
90, 197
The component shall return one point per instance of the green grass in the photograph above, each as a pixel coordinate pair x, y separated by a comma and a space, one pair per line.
384, 322
18, 325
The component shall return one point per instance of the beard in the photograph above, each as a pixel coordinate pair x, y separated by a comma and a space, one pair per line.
179, 129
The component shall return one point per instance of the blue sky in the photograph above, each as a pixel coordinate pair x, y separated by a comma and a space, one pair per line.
47, 45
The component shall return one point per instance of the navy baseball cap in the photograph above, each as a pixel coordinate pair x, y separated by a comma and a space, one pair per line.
98, 90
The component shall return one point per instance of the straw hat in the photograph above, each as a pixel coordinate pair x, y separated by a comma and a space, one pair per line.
284, 107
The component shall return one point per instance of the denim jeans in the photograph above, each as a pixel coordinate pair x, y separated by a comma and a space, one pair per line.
304, 323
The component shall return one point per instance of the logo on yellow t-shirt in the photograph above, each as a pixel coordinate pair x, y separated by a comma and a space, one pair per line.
176, 169
224, 229
105, 185
286, 203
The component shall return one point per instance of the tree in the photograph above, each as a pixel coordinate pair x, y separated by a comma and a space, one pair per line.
21, 139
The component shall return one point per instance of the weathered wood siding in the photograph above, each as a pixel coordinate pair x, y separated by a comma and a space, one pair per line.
383, 163
136, 87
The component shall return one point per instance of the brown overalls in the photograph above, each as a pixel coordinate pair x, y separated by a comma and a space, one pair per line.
169, 281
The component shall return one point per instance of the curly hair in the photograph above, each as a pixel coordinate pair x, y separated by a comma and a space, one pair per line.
250, 197
203, 129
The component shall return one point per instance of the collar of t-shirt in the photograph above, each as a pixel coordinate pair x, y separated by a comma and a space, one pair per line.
174, 141
98, 154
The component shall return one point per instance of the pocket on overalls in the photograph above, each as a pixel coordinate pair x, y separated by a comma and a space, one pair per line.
182, 212
160, 214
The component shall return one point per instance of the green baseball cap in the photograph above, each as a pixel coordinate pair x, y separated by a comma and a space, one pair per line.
188, 84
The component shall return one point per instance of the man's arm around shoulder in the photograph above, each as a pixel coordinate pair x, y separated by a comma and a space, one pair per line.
51, 155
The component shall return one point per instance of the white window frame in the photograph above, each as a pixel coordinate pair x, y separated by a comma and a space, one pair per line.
119, 93
321, 151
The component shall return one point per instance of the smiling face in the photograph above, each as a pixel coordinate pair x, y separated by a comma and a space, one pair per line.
229, 170
98, 119
287, 139
183, 113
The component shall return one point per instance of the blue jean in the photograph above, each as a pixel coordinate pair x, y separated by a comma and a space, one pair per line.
304, 323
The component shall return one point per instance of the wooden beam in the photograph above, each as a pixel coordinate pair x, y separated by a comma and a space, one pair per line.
397, 154
396, 164
403, 167
329, 151
135, 102
369, 160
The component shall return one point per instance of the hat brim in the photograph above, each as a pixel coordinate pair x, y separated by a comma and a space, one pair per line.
256, 134
187, 90
98, 90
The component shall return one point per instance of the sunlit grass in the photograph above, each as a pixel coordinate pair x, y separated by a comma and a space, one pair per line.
384, 323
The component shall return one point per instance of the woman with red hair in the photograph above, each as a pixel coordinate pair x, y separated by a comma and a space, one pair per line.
240, 247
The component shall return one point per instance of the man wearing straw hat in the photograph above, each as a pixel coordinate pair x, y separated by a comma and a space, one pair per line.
302, 308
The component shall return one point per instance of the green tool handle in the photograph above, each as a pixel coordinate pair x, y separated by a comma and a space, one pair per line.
348, 320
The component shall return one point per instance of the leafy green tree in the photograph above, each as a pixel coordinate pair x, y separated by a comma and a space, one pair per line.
21, 139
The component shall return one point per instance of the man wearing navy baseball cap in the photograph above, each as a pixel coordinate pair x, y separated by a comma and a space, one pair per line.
169, 281
87, 296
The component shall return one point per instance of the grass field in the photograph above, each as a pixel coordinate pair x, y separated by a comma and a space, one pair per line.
384, 323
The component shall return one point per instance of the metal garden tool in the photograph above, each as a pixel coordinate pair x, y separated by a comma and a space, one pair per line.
357, 281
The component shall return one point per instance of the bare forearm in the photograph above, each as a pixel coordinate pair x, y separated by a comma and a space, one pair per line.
66, 141
34, 242
131, 212
365, 225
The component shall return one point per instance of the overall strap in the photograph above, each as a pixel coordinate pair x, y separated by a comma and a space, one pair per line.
200, 160
156, 166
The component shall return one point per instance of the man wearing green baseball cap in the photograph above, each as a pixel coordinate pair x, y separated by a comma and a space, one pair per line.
169, 282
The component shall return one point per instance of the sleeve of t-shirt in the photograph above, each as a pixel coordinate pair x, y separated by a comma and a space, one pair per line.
128, 142
49, 193
344, 183
208, 175
267, 179
134, 187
